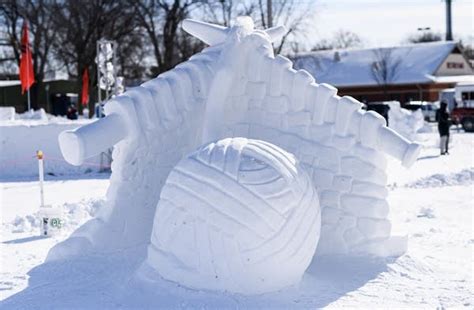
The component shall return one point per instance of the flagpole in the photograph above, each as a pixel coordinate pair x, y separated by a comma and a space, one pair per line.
29, 104
26, 43
28, 78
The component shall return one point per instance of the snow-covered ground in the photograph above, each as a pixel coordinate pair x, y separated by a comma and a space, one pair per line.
431, 203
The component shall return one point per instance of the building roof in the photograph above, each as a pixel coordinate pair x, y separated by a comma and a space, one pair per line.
458, 79
416, 63
6, 83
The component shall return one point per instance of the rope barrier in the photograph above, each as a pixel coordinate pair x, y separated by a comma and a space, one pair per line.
46, 158
17, 160
83, 164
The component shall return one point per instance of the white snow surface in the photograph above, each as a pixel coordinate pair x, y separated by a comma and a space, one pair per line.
435, 272
238, 215
7, 114
22, 137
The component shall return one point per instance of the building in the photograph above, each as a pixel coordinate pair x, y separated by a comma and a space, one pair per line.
404, 73
48, 96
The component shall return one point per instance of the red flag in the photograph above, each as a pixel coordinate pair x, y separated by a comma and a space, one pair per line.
85, 88
27, 76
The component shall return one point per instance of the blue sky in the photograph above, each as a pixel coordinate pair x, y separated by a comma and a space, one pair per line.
389, 22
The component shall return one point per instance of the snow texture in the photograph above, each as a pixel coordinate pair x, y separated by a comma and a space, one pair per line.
74, 214
33, 115
407, 123
7, 113
238, 88
237, 215
463, 177
18, 159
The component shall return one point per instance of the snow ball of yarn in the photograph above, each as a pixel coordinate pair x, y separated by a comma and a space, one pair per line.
237, 215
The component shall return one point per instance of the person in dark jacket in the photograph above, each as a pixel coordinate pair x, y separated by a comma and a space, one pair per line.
71, 112
444, 121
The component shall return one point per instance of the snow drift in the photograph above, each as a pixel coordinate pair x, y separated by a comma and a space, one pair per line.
7, 113
238, 88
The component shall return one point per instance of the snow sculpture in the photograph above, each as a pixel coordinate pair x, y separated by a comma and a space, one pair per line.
237, 87
237, 215
407, 123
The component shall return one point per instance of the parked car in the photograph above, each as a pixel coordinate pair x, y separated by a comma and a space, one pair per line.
463, 111
429, 111
447, 95
379, 107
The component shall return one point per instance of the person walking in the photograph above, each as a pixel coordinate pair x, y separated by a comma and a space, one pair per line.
444, 122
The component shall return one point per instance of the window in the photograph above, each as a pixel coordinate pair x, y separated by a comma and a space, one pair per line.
467, 95
455, 65
467, 99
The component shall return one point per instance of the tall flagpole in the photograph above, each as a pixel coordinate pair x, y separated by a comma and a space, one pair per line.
28, 77
28, 73
28, 53
29, 104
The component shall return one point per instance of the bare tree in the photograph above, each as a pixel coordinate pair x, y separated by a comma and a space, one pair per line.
8, 61
324, 45
468, 50
81, 23
295, 15
38, 15
342, 39
8, 64
223, 12
346, 39
385, 67
133, 55
161, 21
426, 36
11, 19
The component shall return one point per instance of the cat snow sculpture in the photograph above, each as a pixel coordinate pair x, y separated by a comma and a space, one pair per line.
238, 88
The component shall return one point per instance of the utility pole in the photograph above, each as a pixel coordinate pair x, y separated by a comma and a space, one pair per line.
449, 30
269, 13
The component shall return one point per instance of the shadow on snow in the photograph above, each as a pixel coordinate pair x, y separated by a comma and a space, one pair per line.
113, 281
24, 240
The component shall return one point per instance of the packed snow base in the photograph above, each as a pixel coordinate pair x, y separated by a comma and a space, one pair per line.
238, 88
237, 215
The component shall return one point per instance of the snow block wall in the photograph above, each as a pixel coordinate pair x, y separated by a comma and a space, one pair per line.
152, 127
337, 142
20, 139
238, 88
236, 215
